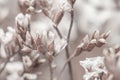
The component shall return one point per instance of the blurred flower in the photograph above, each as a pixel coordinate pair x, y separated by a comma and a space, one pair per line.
94, 67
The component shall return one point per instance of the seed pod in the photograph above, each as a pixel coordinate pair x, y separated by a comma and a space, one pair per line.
85, 40
79, 49
100, 42
105, 35
57, 18
95, 35
91, 44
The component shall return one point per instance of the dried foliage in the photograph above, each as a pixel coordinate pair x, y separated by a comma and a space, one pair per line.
21, 52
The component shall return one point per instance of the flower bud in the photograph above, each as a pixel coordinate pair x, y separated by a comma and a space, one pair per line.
79, 49
95, 35
23, 20
58, 17
91, 45
105, 35
100, 42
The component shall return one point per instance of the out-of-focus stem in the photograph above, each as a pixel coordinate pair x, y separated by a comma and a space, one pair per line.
58, 32
67, 47
51, 71
67, 52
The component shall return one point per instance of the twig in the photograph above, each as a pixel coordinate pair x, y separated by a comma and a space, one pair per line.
68, 61
4, 66
57, 30
67, 47
51, 71
66, 50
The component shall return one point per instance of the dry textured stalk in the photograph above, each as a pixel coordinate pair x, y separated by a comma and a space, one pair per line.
56, 19
87, 45
69, 33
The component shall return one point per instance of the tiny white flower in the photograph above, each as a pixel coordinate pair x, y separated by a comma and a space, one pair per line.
23, 20
93, 67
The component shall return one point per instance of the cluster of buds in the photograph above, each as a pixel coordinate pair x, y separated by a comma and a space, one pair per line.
28, 6
112, 60
36, 50
88, 44
55, 15
94, 68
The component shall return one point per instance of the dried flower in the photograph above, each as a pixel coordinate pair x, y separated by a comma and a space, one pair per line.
94, 68
22, 20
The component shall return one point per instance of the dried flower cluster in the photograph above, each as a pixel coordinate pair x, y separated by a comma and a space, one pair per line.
108, 65
88, 44
94, 68
21, 51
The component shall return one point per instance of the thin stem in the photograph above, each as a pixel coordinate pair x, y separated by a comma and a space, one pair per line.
71, 25
4, 66
68, 60
58, 32
51, 71
67, 47
66, 50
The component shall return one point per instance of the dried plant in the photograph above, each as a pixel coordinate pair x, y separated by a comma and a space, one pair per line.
21, 52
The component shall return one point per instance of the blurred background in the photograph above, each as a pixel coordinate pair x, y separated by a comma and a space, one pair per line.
89, 15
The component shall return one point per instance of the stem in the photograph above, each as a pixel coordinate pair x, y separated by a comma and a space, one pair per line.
67, 47
68, 60
66, 50
58, 32
51, 71
71, 24
4, 66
